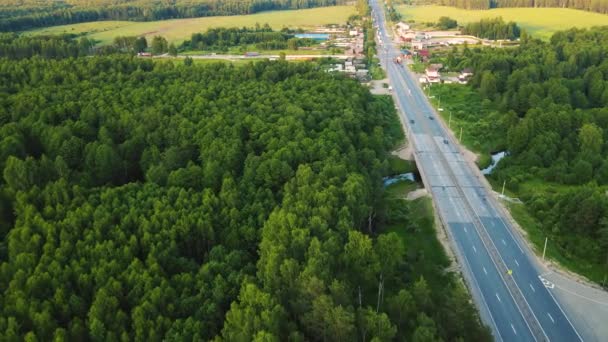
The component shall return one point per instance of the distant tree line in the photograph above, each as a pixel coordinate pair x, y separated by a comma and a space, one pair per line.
600, 6
492, 29
263, 37
16, 15
16, 46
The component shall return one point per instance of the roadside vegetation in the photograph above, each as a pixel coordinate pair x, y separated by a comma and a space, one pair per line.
413, 222
482, 126
547, 103
370, 51
539, 22
399, 166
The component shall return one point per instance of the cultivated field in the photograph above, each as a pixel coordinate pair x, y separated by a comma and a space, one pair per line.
177, 30
540, 22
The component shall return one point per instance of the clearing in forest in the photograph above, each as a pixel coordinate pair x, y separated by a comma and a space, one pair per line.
178, 30
540, 22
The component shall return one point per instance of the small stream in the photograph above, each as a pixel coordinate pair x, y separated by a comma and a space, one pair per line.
496, 157
410, 176
401, 177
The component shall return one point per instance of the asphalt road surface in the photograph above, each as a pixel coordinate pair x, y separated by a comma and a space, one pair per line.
500, 270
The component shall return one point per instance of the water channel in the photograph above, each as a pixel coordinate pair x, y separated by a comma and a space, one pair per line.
496, 157
398, 178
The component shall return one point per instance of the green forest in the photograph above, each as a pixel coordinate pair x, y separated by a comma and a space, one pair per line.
19, 15
551, 100
492, 29
600, 6
15, 46
262, 37
148, 200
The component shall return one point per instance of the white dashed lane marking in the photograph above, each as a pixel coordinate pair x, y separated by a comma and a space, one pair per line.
552, 320
484, 271
512, 327
516, 263
474, 249
497, 296
532, 287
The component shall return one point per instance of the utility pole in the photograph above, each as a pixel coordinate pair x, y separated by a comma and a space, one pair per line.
503, 188
450, 121
460, 138
545, 248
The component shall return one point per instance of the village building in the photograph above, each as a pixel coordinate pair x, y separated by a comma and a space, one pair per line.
464, 76
432, 73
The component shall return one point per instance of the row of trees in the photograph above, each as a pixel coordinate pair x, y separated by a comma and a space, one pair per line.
600, 6
147, 200
263, 37
553, 101
20, 46
16, 46
391, 12
42, 13
492, 29
446, 23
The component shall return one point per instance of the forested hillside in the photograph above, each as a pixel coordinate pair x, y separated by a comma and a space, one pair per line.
17, 15
600, 6
149, 201
551, 100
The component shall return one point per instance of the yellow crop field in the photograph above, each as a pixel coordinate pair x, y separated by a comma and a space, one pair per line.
178, 30
540, 22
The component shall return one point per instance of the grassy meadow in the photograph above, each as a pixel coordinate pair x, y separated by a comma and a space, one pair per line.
178, 30
540, 22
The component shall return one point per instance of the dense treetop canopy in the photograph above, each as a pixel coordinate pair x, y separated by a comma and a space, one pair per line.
149, 201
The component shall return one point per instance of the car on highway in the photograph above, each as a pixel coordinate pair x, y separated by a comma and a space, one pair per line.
411, 121
431, 118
